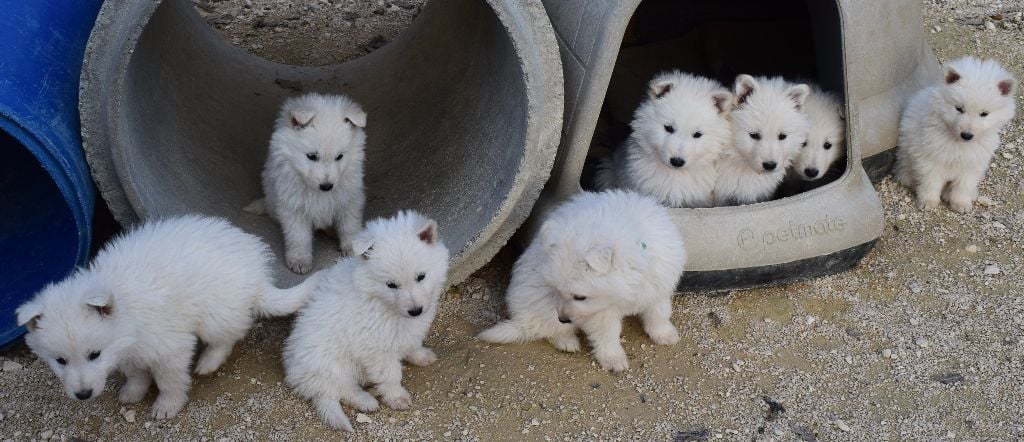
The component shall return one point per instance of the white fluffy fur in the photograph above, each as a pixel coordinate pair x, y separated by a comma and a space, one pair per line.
683, 119
331, 128
769, 125
933, 158
826, 139
620, 251
357, 329
141, 304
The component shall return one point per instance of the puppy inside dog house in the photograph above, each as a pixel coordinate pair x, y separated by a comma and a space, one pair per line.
870, 56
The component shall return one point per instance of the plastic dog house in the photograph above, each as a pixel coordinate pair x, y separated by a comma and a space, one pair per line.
464, 107
873, 53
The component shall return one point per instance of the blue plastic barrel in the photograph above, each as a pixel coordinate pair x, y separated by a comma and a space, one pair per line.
46, 193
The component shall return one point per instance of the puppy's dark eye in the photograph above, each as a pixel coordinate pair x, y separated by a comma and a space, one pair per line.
312, 156
782, 136
94, 355
421, 277
827, 145
339, 157
960, 109
698, 134
579, 298
670, 129
755, 135
984, 114
62, 361
392, 285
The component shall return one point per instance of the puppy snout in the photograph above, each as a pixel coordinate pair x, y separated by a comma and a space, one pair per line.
811, 172
769, 165
967, 136
326, 186
415, 311
564, 320
83, 394
677, 162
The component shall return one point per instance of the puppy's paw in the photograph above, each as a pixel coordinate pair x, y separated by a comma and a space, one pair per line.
928, 204
666, 335
566, 343
363, 401
301, 265
421, 357
961, 206
345, 247
167, 406
399, 399
613, 361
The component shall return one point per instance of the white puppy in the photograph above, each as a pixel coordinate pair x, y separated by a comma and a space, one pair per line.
826, 140
769, 125
313, 177
140, 305
678, 133
949, 132
597, 258
367, 315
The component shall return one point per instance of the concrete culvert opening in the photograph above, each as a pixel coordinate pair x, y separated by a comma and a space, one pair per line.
464, 111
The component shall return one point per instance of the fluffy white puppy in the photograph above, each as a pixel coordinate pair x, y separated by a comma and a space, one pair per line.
313, 176
597, 258
949, 132
368, 314
678, 133
769, 125
140, 305
826, 138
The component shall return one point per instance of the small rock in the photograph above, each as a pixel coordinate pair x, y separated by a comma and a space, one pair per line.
842, 425
915, 287
998, 225
887, 353
1008, 156
810, 320
922, 342
691, 436
363, 418
129, 416
12, 366
774, 408
46, 435
972, 249
901, 217
991, 269
854, 333
147, 424
804, 433
937, 28
985, 201
915, 321
990, 26
948, 378
534, 422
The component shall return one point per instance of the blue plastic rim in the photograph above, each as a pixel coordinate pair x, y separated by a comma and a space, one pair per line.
46, 194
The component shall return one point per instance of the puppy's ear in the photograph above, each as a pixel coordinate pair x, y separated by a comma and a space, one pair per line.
600, 258
723, 100
950, 74
841, 110
659, 88
798, 93
301, 117
29, 314
744, 87
428, 232
1007, 87
356, 116
362, 245
101, 301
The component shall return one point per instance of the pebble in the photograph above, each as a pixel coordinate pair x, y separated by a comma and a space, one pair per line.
998, 225
363, 418
1008, 155
901, 217
990, 26
10, 366
887, 353
991, 269
915, 287
985, 201
129, 416
922, 342
842, 425
46, 434
972, 249
937, 28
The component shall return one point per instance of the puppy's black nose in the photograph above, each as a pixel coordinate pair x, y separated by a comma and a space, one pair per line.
564, 320
415, 311
84, 394
811, 172
769, 165
676, 162
967, 136
326, 186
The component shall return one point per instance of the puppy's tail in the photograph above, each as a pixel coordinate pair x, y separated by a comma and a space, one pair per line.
257, 207
283, 302
505, 332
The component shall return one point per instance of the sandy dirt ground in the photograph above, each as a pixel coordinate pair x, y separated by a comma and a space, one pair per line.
922, 341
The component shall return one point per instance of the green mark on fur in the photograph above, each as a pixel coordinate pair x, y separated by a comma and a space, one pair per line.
643, 245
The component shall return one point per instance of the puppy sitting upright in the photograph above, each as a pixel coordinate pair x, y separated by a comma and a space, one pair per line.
769, 125
368, 314
678, 133
146, 297
949, 132
597, 258
826, 138
313, 177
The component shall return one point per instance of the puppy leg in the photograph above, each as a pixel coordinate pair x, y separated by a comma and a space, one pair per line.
213, 356
135, 389
347, 223
172, 378
604, 330
387, 374
564, 338
421, 356
330, 411
929, 191
657, 321
298, 243
964, 191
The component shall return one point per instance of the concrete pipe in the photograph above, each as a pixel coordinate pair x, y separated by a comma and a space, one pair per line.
465, 109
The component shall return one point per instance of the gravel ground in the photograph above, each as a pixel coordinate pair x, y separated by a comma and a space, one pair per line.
922, 341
